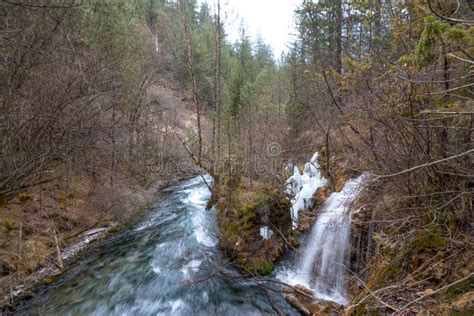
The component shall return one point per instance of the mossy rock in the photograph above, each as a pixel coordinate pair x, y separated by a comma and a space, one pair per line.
241, 211
294, 242
265, 267
210, 204
114, 229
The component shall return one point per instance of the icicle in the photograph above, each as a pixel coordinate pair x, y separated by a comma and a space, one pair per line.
303, 186
266, 232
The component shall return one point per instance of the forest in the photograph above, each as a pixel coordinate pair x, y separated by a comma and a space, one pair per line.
126, 122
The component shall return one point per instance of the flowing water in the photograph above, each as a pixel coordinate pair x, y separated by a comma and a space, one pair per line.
153, 269
322, 265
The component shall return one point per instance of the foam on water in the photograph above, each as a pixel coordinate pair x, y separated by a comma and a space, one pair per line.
198, 197
161, 267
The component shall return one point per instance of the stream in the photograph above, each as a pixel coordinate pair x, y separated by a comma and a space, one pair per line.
159, 267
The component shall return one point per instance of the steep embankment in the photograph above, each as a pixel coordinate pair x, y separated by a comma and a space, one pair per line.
48, 223
254, 222
259, 219
405, 255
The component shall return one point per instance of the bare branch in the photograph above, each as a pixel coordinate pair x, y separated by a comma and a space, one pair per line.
377, 177
442, 17
461, 59
45, 6
436, 291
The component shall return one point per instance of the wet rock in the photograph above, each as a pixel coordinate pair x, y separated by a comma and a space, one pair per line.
322, 307
304, 301
304, 289
296, 303
305, 220
320, 196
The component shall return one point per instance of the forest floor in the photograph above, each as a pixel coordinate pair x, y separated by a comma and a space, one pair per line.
48, 224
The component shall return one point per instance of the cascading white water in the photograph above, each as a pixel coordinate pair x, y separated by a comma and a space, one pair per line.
322, 266
326, 249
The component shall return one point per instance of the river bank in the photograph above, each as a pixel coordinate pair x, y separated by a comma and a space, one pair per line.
79, 241
42, 222
167, 263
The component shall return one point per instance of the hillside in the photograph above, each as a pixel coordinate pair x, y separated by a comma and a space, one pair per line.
44, 224
337, 179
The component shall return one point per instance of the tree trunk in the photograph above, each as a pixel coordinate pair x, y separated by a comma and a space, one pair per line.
338, 35
188, 42
377, 36
217, 78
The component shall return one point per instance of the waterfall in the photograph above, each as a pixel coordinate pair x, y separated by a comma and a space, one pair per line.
322, 265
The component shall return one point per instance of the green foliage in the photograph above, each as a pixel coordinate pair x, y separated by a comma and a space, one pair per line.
241, 211
468, 312
293, 112
8, 226
265, 267
459, 289
456, 34
429, 239
113, 28
436, 34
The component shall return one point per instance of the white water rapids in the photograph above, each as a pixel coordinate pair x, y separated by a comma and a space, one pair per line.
322, 268
162, 265
168, 264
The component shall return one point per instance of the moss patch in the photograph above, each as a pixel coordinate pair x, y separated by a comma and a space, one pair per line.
241, 210
428, 240
459, 289
265, 268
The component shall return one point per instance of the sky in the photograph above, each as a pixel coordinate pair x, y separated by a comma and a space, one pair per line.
271, 19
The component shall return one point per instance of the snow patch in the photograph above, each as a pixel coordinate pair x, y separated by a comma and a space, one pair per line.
266, 232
